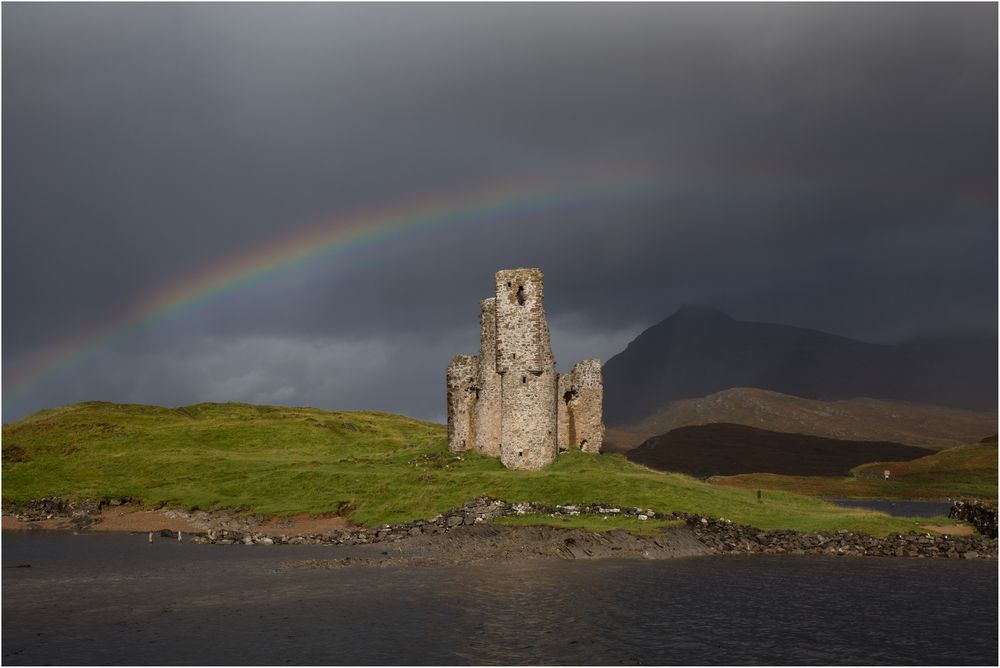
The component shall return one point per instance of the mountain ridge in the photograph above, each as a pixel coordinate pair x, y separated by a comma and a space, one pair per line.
698, 351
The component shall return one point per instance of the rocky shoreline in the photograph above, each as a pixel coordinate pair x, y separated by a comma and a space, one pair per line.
725, 537
80, 514
471, 531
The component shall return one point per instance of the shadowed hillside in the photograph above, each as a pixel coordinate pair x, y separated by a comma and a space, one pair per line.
967, 470
731, 449
925, 426
697, 352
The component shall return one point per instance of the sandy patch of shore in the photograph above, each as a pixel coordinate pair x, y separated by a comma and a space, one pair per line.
134, 518
55, 524
110, 519
303, 523
950, 529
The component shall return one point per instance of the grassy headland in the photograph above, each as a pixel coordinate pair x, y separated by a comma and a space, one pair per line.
376, 467
967, 470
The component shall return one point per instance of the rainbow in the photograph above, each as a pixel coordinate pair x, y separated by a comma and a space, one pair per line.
340, 237
365, 234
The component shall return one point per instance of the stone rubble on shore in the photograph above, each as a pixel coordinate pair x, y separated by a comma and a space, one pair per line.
980, 514
719, 535
81, 514
726, 537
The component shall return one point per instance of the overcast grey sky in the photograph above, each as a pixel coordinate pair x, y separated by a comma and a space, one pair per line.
828, 166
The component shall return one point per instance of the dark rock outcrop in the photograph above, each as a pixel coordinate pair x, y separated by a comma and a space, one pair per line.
81, 514
980, 514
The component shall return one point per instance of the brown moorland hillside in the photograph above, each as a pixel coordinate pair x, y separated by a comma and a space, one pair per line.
732, 449
925, 426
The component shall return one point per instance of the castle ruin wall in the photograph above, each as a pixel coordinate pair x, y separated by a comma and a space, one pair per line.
587, 406
527, 367
564, 394
461, 377
488, 411
509, 402
522, 330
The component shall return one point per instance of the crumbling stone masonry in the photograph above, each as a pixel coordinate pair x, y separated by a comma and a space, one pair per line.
509, 402
588, 397
461, 377
564, 394
527, 370
581, 396
488, 383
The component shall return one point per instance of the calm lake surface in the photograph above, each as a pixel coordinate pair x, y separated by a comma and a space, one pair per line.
116, 599
899, 508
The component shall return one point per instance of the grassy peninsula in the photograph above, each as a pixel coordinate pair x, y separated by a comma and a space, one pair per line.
966, 470
374, 467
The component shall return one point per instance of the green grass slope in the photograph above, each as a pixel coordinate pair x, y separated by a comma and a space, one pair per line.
968, 470
377, 466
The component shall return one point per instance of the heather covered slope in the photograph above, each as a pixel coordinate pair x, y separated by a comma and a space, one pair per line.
731, 449
920, 425
697, 352
374, 467
968, 470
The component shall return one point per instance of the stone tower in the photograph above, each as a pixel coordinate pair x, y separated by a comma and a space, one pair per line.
461, 377
581, 401
488, 398
587, 406
527, 369
509, 402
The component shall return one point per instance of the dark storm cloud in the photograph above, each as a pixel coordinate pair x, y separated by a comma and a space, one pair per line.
831, 166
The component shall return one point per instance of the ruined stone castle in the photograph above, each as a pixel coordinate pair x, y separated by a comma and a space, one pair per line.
508, 401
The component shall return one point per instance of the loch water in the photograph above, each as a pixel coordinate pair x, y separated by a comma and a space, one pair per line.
117, 599
899, 507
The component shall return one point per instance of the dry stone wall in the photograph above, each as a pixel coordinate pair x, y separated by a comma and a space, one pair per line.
509, 402
978, 512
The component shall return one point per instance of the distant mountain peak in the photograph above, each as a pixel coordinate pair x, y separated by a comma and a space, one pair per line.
699, 350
